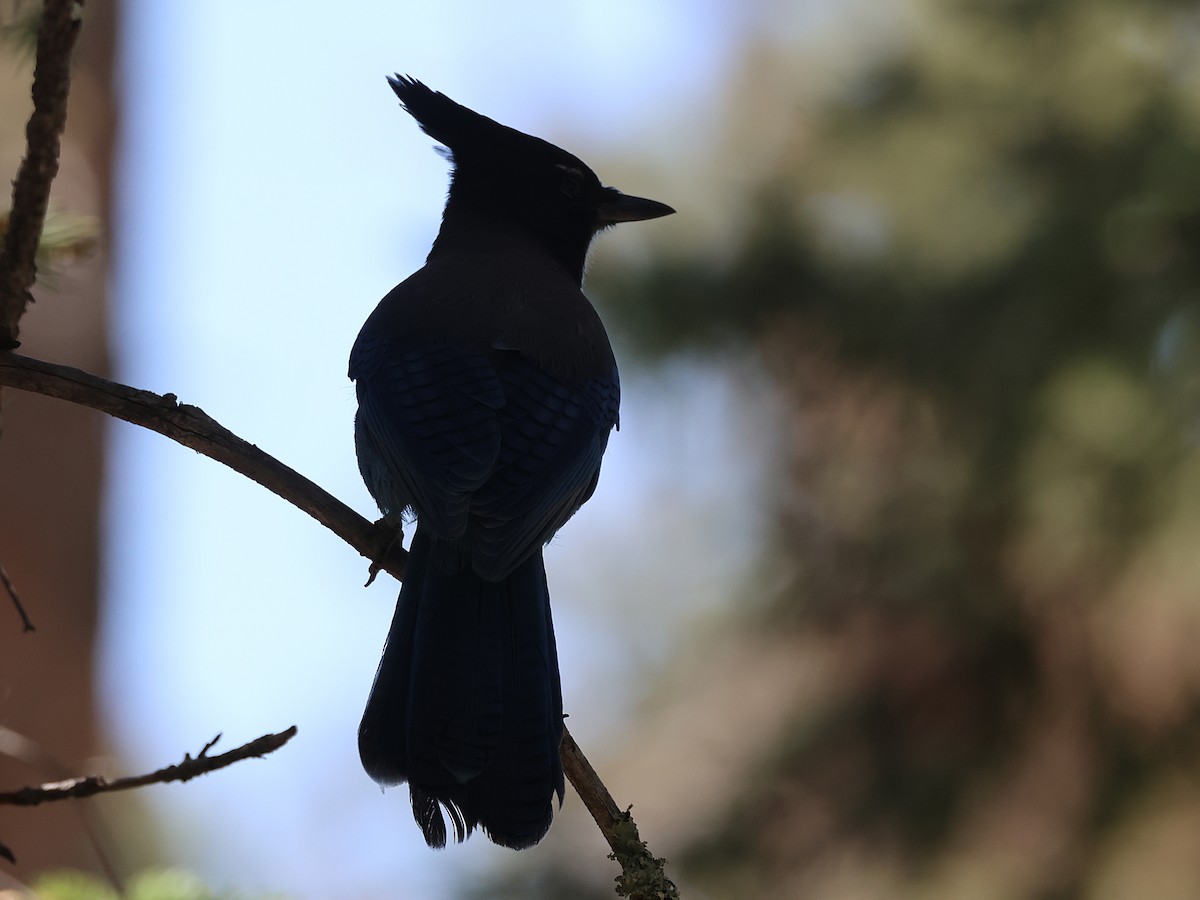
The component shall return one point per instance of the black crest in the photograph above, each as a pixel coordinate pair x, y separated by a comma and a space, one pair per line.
471, 138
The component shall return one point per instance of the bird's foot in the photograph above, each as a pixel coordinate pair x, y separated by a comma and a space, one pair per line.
389, 535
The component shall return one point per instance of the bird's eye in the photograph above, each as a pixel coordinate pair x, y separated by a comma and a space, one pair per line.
571, 184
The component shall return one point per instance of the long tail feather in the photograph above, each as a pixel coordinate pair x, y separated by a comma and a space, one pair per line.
467, 704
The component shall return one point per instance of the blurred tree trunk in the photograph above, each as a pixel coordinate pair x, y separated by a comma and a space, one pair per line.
51, 476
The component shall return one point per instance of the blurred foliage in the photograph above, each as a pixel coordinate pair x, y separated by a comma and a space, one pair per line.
971, 271
158, 884
66, 238
19, 21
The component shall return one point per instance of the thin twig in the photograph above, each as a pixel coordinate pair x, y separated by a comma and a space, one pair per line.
24, 749
31, 189
191, 767
26, 623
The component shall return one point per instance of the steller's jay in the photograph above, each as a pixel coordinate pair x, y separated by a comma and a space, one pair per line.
486, 393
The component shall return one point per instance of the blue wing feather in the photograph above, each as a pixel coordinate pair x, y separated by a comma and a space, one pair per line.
429, 415
487, 449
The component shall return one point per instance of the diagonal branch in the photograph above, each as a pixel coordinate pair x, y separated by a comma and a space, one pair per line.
191, 767
31, 190
643, 874
192, 427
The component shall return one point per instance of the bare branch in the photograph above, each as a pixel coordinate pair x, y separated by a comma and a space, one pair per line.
190, 768
11, 588
192, 427
594, 794
17, 746
643, 876
31, 189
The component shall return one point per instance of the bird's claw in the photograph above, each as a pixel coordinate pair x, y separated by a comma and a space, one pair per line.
388, 534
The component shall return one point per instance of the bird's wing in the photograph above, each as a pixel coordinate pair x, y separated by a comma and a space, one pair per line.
552, 439
431, 416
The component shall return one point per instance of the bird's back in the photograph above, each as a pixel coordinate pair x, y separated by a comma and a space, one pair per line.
487, 384
507, 295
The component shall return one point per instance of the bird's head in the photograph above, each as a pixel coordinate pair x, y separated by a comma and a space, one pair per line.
512, 178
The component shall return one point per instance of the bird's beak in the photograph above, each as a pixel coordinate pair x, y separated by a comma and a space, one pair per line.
618, 207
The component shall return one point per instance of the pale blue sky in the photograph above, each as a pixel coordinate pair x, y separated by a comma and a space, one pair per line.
270, 190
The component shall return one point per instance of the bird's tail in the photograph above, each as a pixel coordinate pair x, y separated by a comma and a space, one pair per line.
466, 705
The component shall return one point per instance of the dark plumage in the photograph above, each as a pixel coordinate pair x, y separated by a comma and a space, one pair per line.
487, 390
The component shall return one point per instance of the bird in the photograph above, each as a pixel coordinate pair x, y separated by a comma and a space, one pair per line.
487, 390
